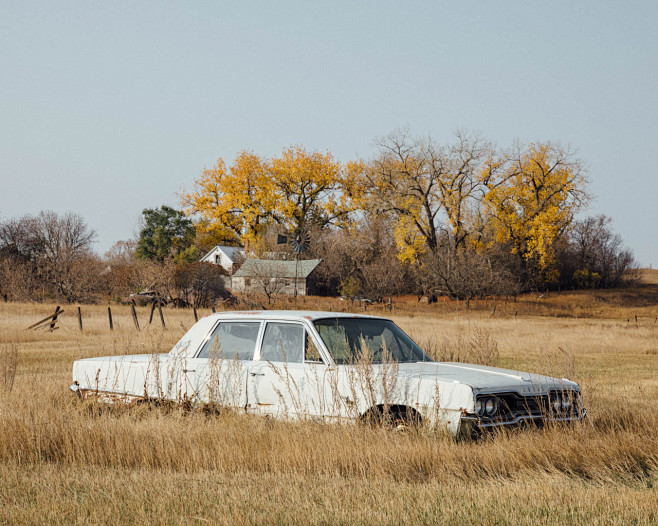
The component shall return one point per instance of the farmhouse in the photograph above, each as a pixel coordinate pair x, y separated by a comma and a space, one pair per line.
277, 276
229, 258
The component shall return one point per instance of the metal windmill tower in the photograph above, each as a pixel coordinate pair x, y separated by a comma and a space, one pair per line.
299, 240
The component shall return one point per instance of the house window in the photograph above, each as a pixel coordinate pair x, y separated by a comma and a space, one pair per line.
216, 259
288, 282
247, 282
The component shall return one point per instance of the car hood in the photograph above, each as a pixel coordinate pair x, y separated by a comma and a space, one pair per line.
482, 378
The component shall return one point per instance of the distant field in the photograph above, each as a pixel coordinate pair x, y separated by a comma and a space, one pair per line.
649, 276
79, 463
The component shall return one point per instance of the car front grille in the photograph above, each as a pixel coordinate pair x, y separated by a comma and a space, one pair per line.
513, 405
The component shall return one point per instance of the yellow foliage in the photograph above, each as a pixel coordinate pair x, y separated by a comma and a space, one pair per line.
306, 186
293, 190
527, 198
423, 185
411, 244
533, 197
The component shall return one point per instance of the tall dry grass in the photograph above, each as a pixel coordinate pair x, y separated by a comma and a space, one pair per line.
616, 445
83, 462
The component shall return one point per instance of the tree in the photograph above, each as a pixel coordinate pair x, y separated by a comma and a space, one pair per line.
200, 284
533, 194
362, 260
63, 254
268, 278
425, 186
307, 186
50, 251
166, 233
469, 272
17, 239
297, 190
594, 256
122, 252
232, 205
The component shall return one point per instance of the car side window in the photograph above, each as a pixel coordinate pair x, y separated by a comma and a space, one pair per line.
335, 338
311, 353
283, 342
232, 340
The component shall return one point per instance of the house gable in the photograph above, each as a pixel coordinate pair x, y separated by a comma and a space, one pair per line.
224, 256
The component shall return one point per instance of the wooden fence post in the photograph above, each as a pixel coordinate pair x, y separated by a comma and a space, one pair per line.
54, 320
161, 315
109, 315
152, 309
196, 317
132, 308
80, 318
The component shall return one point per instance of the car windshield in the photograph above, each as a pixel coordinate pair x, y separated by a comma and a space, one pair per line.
348, 338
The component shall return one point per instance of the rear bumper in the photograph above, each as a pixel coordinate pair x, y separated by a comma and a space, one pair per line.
103, 396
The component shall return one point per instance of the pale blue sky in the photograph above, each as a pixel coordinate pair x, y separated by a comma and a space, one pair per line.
110, 107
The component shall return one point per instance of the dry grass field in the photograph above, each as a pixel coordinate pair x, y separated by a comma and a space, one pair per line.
68, 462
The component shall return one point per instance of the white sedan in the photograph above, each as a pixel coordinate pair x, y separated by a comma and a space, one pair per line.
327, 366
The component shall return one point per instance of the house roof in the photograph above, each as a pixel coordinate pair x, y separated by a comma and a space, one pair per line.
277, 268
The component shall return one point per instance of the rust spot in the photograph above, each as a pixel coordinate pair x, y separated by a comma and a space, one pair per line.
108, 397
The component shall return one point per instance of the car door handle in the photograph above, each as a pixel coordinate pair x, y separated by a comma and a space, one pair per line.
189, 370
257, 374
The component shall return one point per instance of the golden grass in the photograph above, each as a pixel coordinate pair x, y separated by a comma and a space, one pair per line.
63, 461
90, 495
648, 275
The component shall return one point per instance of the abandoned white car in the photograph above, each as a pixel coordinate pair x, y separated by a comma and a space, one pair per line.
327, 366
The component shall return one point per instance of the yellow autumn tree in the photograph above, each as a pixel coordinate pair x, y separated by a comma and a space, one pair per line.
231, 204
532, 196
425, 186
308, 189
297, 190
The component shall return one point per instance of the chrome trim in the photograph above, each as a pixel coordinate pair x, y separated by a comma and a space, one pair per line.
521, 418
75, 387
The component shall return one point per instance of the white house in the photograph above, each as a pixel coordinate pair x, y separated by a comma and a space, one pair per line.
226, 257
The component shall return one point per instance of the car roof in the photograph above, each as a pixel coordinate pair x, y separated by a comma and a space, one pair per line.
296, 315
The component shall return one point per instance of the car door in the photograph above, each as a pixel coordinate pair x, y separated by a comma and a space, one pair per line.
288, 377
218, 373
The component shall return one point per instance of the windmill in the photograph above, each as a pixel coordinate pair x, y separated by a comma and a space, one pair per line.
299, 241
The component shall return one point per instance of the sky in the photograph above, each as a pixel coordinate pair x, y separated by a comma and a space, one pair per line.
107, 108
